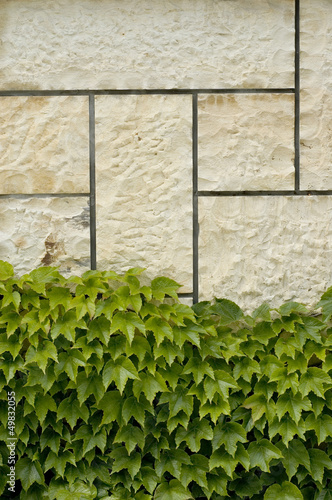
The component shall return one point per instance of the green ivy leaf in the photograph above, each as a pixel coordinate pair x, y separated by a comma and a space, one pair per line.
87, 385
322, 425
296, 454
261, 453
160, 329
122, 460
286, 491
72, 410
110, 404
43, 404
69, 362
6, 270
172, 491
326, 304
131, 436
40, 356
119, 371
164, 286
178, 400
314, 380
199, 369
228, 311
150, 385
197, 430
136, 408
171, 461
221, 384
59, 461
319, 460
29, 472
287, 429
91, 440
228, 434
126, 322
294, 404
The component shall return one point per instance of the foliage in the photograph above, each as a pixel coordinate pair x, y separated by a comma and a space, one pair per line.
122, 392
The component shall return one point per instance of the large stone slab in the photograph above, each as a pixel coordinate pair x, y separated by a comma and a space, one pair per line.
246, 142
44, 144
316, 94
144, 185
255, 249
96, 44
45, 231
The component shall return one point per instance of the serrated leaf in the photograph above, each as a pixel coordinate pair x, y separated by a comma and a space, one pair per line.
10, 344
122, 460
110, 404
314, 379
199, 369
150, 385
71, 410
294, 404
59, 461
172, 461
131, 436
136, 408
87, 385
149, 478
43, 404
178, 400
228, 434
6, 270
40, 356
228, 311
197, 430
69, 362
162, 286
261, 453
322, 425
221, 384
91, 440
119, 371
59, 296
220, 458
326, 304
126, 322
29, 472
286, 491
172, 491
160, 329
319, 460
246, 368
218, 407
287, 429
294, 455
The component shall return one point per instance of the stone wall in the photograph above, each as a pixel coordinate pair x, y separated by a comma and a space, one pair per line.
190, 137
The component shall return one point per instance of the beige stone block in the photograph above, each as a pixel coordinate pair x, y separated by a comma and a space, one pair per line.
44, 145
144, 185
245, 142
274, 249
45, 232
316, 94
98, 44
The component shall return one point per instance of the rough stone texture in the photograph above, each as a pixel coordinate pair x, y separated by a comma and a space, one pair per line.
44, 145
50, 44
45, 231
246, 141
144, 184
255, 249
316, 94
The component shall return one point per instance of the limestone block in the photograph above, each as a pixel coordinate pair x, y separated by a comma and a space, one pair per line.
97, 44
144, 185
316, 95
274, 249
44, 145
245, 142
45, 232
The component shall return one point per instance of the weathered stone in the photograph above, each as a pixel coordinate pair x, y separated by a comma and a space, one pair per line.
144, 183
274, 249
316, 94
45, 231
44, 144
96, 44
246, 142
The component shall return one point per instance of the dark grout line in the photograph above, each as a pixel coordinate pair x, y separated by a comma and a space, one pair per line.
195, 196
92, 161
311, 192
297, 97
86, 92
44, 195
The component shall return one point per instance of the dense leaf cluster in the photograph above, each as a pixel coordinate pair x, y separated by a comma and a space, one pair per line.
123, 392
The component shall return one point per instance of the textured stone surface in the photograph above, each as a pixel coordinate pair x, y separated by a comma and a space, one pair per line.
130, 44
255, 249
246, 141
316, 94
44, 145
144, 183
45, 231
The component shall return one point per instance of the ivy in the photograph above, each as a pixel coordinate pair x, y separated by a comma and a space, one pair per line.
124, 393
